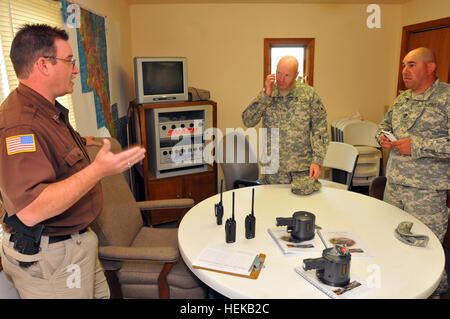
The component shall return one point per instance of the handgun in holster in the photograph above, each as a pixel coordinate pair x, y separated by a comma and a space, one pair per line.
26, 239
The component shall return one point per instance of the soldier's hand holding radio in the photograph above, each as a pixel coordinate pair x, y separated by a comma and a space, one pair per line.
403, 146
388, 140
268, 84
384, 141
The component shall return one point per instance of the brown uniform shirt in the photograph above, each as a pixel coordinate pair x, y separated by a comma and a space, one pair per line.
58, 153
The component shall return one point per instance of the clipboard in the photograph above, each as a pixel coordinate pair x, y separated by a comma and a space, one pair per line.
257, 265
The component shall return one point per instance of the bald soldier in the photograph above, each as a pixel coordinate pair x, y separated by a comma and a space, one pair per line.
418, 166
297, 111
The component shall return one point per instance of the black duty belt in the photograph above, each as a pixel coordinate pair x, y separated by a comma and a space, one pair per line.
56, 239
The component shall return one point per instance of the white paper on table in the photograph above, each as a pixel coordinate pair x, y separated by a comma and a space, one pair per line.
224, 258
360, 288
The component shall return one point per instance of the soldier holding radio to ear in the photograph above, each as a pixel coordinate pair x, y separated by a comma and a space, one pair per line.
297, 111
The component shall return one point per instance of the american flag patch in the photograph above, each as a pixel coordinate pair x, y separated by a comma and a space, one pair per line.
20, 143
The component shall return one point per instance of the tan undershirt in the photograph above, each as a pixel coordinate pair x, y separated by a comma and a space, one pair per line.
284, 92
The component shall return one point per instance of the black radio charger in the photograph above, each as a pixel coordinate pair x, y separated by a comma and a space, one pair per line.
230, 228
250, 220
218, 208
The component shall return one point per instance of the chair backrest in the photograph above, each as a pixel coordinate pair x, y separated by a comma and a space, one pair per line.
360, 133
244, 163
341, 156
121, 218
376, 187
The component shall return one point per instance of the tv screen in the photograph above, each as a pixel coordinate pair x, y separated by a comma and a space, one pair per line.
162, 77
160, 80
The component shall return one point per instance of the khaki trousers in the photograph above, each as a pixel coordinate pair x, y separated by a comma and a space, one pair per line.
69, 269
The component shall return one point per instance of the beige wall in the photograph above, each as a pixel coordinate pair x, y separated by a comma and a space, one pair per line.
417, 11
355, 67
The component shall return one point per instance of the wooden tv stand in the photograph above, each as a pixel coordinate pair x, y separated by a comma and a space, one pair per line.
197, 186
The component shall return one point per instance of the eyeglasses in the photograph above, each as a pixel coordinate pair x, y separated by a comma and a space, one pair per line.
73, 61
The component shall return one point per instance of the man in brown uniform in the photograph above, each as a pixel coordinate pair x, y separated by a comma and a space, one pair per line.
48, 186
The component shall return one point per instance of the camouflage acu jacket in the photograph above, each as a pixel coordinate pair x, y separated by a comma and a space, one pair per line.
302, 122
424, 119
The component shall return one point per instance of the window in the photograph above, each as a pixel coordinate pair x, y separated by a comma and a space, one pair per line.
301, 48
14, 14
277, 52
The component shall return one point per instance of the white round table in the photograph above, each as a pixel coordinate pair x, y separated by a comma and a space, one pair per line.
403, 271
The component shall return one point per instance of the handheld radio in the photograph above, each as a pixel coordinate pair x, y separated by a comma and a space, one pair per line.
218, 208
250, 220
230, 228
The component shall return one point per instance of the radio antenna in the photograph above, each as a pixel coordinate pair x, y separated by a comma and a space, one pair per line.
232, 216
253, 201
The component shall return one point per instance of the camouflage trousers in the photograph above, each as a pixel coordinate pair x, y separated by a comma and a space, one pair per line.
301, 183
427, 205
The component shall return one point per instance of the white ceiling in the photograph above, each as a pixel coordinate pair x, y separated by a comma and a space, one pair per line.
267, 1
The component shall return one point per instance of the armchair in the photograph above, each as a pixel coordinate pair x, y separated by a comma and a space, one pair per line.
144, 261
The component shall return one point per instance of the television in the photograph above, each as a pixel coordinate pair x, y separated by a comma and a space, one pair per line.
160, 80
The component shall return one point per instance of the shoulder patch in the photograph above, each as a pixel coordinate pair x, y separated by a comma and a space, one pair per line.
20, 144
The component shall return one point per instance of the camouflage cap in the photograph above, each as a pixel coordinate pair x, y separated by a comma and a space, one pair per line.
404, 234
304, 185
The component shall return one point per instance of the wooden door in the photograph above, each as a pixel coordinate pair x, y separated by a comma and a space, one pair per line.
165, 188
431, 34
200, 186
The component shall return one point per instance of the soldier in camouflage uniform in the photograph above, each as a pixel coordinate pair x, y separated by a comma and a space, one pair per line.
298, 113
418, 166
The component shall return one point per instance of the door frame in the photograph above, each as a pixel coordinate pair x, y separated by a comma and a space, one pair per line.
414, 28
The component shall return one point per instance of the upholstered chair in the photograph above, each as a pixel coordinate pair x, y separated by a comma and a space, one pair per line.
140, 261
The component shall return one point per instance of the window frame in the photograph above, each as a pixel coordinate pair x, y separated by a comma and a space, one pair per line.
308, 63
15, 13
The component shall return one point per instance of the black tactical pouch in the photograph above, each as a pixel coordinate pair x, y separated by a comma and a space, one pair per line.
26, 239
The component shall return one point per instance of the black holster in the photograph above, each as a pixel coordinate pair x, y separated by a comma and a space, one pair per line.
26, 239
